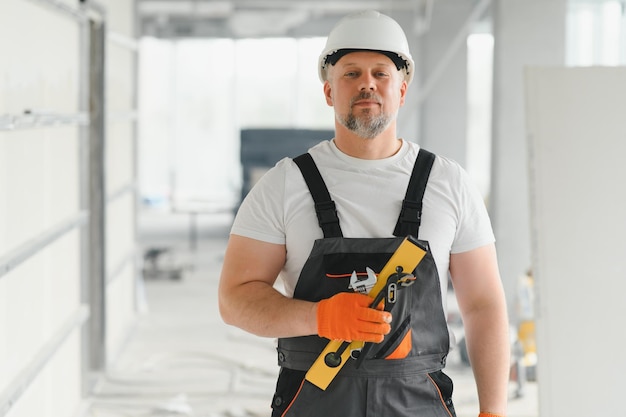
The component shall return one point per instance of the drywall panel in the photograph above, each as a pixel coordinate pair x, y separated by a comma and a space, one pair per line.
120, 311
120, 143
120, 156
22, 158
120, 77
40, 78
120, 232
61, 171
4, 181
121, 15
40, 295
61, 269
40, 182
57, 391
577, 138
42, 69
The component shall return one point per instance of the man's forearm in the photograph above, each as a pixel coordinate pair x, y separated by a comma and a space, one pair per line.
259, 309
487, 337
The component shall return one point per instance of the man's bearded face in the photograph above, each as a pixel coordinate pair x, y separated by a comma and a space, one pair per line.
366, 123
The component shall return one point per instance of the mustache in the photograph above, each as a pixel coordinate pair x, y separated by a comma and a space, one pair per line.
365, 95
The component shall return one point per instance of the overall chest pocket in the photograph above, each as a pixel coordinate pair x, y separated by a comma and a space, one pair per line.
332, 262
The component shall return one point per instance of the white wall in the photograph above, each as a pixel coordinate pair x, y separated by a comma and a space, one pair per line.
39, 191
120, 168
42, 314
576, 134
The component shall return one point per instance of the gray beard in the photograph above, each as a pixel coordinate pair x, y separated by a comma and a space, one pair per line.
365, 126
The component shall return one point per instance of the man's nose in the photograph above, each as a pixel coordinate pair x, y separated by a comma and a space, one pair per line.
368, 82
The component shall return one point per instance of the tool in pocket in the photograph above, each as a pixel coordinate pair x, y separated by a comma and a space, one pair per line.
388, 294
363, 286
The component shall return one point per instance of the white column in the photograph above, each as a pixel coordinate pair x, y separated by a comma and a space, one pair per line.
527, 33
443, 84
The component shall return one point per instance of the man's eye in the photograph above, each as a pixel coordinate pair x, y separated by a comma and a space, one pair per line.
351, 74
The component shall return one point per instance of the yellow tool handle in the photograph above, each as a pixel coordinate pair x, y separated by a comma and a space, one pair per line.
408, 255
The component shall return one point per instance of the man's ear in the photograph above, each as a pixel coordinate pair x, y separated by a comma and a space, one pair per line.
328, 93
403, 89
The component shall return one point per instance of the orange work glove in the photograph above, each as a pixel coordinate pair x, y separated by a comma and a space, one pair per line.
347, 316
489, 415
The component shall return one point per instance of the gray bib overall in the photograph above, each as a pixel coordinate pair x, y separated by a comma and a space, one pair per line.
399, 377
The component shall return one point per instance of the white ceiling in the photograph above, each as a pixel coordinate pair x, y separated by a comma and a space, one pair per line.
266, 18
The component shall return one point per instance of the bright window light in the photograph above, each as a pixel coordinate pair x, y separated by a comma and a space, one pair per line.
596, 33
479, 88
611, 32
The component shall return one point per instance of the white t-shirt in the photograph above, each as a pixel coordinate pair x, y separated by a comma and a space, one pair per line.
368, 195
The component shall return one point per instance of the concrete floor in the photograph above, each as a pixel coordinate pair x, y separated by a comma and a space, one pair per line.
181, 360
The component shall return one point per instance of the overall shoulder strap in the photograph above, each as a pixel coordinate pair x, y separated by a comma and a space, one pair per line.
411, 213
324, 205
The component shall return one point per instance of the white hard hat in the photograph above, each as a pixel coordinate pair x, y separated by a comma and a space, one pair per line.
372, 31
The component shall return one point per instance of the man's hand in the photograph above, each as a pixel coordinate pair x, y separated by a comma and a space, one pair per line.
347, 316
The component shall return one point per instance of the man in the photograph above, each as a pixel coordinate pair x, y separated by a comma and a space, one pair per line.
293, 229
